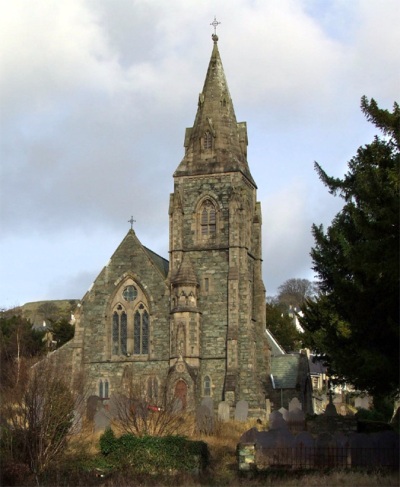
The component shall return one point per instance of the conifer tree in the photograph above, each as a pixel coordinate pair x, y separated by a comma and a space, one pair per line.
354, 321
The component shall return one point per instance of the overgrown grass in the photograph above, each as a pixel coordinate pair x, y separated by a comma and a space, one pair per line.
84, 465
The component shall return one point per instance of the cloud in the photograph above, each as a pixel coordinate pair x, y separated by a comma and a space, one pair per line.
96, 95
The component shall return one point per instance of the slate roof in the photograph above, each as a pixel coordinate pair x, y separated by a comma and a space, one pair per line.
161, 263
285, 370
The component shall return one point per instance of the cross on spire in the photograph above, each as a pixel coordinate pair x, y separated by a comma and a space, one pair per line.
215, 23
131, 221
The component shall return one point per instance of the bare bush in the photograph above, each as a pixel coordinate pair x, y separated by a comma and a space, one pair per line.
140, 416
39, 414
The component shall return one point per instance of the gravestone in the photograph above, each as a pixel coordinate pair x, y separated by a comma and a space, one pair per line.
204, 420
361, 450
325, 450
304, 449
296, 420
92, 405
209, 403
223, 411
276, 421
386, 449
284, 412
267, 408
294, 404
250, 436
241, 411
101, 420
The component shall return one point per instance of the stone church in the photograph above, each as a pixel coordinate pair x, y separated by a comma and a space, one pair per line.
192, 327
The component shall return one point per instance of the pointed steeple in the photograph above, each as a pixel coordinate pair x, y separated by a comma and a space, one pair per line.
217, 142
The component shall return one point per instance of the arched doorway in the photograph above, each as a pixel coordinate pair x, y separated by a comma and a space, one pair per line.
181, 392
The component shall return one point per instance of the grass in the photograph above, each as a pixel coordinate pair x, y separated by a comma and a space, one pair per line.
83, 466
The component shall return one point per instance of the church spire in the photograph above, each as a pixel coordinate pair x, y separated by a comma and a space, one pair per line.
217, 142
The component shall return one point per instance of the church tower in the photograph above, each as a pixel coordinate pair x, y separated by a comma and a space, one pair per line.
217, 321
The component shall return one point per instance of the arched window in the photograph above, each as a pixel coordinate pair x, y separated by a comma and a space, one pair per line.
208, 219
119, 331
129, 322
103, 389
207, 386
207, 140
141, 331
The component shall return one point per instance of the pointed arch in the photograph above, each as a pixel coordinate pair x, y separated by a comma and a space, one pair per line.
207, 218
130, 320
207, 140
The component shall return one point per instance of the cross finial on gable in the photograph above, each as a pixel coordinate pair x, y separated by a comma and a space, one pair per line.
131, 221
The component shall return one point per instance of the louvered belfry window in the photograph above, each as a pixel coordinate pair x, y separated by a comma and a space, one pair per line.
207, 140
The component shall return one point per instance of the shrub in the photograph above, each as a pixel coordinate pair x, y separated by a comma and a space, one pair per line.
154, 454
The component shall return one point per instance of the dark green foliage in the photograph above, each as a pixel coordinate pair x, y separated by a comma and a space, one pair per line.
282, 327
354, 322
18, 340
62, 331
154, 454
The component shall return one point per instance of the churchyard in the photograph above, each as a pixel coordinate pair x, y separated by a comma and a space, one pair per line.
229, 448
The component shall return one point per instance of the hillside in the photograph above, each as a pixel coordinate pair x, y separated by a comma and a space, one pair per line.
40, 311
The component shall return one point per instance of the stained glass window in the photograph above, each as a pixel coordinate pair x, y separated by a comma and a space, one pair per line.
124, 333
141, 332
129, 293
101, 392
115, 333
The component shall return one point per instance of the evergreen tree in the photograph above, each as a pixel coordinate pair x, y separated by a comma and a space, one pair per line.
282, 327
354, 322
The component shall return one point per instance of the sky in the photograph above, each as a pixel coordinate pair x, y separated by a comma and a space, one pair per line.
95, 96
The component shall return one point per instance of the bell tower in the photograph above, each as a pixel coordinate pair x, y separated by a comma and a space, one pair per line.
217, 293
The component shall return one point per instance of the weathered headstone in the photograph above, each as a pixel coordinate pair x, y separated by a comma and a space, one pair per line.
296, 420
249, 436
386, 449
304, 450
241, 411
204, 420
325, 450
101, 420
361, 450
276, 421
209, 403
223, 411
294, 404
284, 412
92, 404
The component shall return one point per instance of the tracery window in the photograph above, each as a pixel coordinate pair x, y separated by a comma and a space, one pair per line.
141, 331
119, 331
129, 321
208, 219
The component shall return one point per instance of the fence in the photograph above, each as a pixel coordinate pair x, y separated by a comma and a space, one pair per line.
300, 457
